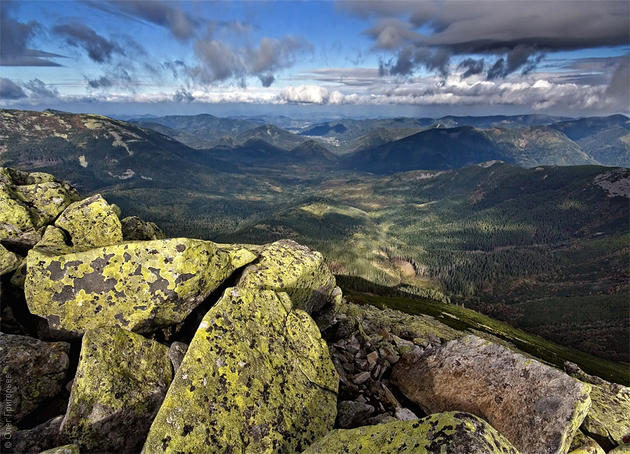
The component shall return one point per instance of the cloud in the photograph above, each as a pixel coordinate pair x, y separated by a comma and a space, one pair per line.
158, 12
10, 90
183, 95
471, 66
39, 89
118, 76
98, 48
14, 39
310, 94
619, 87
219, 61
514, 34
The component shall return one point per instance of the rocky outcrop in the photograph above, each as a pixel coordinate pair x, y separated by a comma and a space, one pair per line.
536, 407
134, 228
452, 433
285, 266
32, 372
91, 223
257, 377
608, 419
140, 286
119, 385
39, 438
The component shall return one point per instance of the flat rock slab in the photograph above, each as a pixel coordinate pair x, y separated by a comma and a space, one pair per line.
140, 286
31, 371
120, 383
286, 266
536, 407
452, 433
257, 378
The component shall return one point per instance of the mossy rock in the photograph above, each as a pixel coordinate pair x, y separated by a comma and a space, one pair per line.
32, 372
65, 449
257, 378
141, 286
452, 433
91, 223
53, 241
120, 383
583, 444
8, 261
286, 266
134, 228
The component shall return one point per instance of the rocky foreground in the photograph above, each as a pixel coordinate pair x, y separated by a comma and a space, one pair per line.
115, 339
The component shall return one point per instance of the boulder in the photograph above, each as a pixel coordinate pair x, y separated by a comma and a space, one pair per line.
176, 353
536, 407
91, 223
621, 449
286, 266
257, 378
8, 261
583, 444
53, 241
120, 382
452, 433
134, 228
351, 413
32, 372
65, 449
140, 286
41, 437
28, 202
608, 419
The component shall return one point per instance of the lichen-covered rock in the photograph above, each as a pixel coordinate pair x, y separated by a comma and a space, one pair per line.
608, 419
452, 433
53, 241
285, 266
257, 378
65, 449
241, 254
32, 372
582, 444
28, 202
39, 438
621, 449
8, 261
134, 228
91, 223
352, 414
120, 382
140, 286
536, 407
176, 353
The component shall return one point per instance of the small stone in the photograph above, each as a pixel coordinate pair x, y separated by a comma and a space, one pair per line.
176, 353
371, 359
361, 378
39, 438
65, 449
404, 414
352, 413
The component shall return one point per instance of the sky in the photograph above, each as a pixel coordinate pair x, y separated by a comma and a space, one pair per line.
316, 58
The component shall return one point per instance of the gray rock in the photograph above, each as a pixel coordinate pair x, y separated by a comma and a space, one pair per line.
351, 414
176, 353
134, 228
361, 378
39, 438
32, 372
536, 407
404, 414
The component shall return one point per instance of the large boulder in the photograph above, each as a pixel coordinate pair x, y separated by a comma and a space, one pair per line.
32, 372
286, 266
39, 438
134, 228
583, 444
28, 201
257, 378
608, 419
452, 433
536, 407
120, 382
91, 223
140, 286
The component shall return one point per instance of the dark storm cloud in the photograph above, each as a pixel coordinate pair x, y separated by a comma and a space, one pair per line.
10, 90
515, 34
266, 79
471, 66
411, 57
14, 39
117, 76
98, 48
219, 61
39, 89
618, 87
165, 14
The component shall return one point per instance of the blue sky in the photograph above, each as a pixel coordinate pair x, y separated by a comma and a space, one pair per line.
357, 58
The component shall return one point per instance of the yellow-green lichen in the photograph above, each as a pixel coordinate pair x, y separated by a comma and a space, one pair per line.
286, 266
608, 419
440, 433
91, 223
120, 382
139, 285
257, 378
8, 261
65, 449
582, 444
